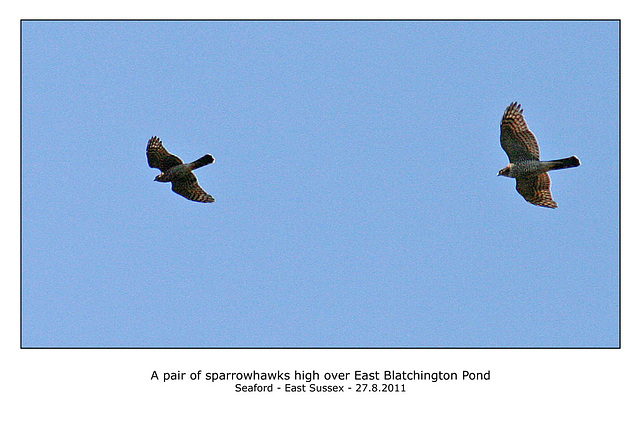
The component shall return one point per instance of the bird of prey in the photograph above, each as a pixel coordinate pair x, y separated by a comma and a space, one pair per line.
532, 180
179, 174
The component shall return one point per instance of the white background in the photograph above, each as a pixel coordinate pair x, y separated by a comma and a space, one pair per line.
105, 387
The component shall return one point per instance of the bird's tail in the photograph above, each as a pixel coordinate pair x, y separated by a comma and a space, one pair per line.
569, 162
202, 161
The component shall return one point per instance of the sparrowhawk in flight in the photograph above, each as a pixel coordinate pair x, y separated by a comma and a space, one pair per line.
532, 180
174, 170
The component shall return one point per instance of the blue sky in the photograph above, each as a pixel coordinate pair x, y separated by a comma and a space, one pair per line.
357, 202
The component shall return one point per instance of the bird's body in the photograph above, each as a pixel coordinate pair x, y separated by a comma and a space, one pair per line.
527, 168
179, 174
532, 180
183, 171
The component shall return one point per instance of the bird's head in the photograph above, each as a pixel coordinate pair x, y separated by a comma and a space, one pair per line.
505, 171
161, 178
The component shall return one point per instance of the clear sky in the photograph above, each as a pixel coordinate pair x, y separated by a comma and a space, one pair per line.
357, 202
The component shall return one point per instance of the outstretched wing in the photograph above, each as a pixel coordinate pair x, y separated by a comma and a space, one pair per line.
537, 190
515, 137
189, 188
158, 156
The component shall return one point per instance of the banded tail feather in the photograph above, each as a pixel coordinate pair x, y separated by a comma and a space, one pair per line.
202, 161
569, 162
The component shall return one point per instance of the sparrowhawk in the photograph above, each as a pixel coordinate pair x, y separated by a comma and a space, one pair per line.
183, 181
532, 179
